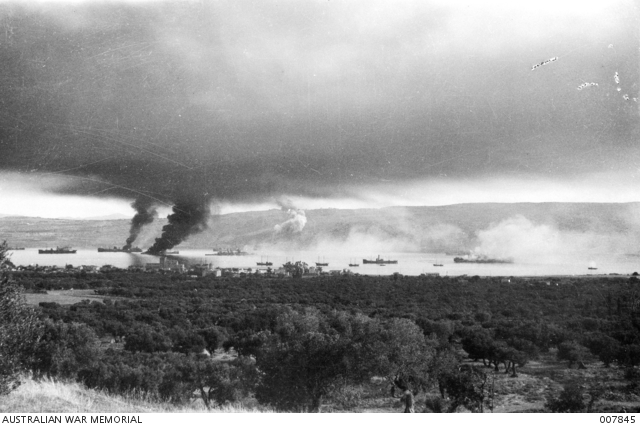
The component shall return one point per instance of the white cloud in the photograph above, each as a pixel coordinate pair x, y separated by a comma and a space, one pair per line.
32, 195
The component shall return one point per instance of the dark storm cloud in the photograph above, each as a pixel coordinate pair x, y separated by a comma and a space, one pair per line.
250, 100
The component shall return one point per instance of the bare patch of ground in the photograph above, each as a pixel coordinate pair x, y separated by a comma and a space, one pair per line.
64, 297
528, 392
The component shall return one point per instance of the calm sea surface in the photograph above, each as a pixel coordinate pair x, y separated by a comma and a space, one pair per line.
408, 263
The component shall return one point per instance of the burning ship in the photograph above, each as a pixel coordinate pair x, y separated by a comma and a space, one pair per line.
57, 250
117, 249
483, 260
379, 261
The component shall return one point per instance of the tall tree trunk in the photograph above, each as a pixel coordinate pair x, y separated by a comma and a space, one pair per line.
316, 403
205, 398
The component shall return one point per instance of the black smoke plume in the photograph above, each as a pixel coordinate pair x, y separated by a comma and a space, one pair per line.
145, 214
188, 217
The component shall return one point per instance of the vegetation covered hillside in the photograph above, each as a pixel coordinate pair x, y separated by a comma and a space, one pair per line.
437, 228
343, 343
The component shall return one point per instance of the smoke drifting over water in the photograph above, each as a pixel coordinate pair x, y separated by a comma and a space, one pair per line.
188, 217
145, 214
520, 239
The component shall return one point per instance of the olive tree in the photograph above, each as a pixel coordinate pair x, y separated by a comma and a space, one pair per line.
20, 330
309, 355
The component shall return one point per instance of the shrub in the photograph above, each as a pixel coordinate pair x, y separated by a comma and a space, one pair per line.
570, 400
572, 352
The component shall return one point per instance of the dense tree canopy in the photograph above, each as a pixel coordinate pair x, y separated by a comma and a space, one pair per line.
20, 330
302, 342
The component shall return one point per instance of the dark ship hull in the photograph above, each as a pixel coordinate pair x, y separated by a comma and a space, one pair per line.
57, 251
229, 253
119, 250
379, 261
482, 261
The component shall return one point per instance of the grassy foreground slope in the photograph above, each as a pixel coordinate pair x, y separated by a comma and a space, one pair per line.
48, 396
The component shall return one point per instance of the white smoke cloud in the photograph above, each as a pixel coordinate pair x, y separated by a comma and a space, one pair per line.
523, 241
519, 239
439, 237
296, 222
297, 218
365, 240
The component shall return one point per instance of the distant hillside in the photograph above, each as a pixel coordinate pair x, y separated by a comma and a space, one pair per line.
439, 228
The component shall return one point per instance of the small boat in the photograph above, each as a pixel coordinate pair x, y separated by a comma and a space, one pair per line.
438, 264
353, 264
592, 266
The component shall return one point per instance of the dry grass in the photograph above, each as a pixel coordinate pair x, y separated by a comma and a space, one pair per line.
526, 393
48, 396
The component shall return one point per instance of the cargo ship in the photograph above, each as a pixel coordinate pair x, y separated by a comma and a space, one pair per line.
117, 249
322, 264
264, 263
57, 250
379, 261
353, 263
483, 260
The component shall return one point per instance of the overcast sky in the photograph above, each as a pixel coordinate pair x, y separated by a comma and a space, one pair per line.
330, 103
